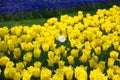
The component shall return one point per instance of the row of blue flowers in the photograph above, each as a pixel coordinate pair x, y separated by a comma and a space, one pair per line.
14, 6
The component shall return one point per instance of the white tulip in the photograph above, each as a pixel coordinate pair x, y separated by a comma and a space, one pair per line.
61, 38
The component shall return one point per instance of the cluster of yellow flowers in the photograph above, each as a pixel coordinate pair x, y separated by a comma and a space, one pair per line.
81, 48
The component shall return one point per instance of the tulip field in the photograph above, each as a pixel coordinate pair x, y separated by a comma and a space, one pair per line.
70, 48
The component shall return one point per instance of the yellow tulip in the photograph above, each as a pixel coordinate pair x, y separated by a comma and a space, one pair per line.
28, 38
57, 51
116, 69
76, 19
68, 72
79, 46
70, 60
87, 53
3, 46
9, 64
37, 53
74, 52
36, 44
87, 45
17, 53
80, 73
16, 30
101, 66
26, 75
97, 50
56, 59
62, 49
9, 73
116, 77
58, 77
27, 57
36, 72
45, 74
72, 43
45, 47
3, 31
61, 64
26, 29
30, 69
51, 62
93, 62
107, 29
110, 62
52, 21
17, 76
114, 54
83, 58
116, 45
50, 54
28, 46
110, 73
105, 47
38, 64
4, 60
20, 66
97, 75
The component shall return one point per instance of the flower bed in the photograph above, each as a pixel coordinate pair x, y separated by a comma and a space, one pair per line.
74, 48
19, 6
